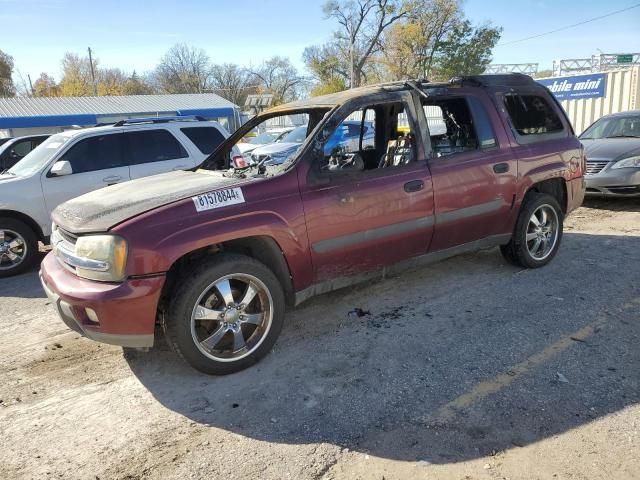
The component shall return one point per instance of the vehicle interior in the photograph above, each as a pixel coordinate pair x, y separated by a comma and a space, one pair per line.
223, 158
451, 126
386, 139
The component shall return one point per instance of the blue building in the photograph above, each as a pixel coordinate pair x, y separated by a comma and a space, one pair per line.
33, 115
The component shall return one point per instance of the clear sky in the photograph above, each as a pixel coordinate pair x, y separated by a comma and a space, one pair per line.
134, 34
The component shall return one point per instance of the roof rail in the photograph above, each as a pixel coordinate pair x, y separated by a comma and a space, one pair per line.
494, 80
136, 121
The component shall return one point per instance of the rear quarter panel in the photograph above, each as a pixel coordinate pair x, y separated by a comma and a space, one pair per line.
547, 159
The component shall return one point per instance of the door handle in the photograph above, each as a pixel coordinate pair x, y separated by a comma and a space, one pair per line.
501, 167
112, 179
413, 186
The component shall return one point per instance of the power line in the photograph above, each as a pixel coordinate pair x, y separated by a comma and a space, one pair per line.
568, 26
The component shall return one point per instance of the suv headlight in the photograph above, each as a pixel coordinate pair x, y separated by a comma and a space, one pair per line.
106, 257
631, 162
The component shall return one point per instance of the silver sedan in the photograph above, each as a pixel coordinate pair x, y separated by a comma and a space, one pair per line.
612, 148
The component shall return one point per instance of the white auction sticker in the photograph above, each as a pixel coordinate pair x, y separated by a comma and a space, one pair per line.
218, 198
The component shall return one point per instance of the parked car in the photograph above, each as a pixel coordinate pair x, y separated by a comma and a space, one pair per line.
346, 136
277, 152
4, 140
74, 162
612, 147
273, 135
15, 149
215, 255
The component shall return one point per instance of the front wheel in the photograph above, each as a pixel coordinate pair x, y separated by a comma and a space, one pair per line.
226, 315
18, 247
538, 232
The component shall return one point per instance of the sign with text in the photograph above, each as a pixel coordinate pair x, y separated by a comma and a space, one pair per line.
576, 87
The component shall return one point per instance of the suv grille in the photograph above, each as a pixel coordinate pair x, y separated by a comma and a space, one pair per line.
595, 166
64, 241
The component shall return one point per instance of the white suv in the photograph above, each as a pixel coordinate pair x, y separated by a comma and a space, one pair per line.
75, 162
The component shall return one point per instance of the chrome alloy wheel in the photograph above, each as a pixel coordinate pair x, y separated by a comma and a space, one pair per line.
542, 232
232, 317
13, 249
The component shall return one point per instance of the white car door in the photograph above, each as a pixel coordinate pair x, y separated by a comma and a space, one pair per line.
155, 151
96, 162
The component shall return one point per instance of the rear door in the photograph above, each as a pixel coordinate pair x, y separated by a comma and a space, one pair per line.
474, 171
155, 151
96, 162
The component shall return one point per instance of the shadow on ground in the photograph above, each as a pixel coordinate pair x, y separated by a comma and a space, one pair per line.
25, 285
614, 204
455, 361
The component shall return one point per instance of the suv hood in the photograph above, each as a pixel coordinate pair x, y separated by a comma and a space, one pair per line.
611, 148
100, 210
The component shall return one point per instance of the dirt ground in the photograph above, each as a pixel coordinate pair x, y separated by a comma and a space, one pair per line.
467, 369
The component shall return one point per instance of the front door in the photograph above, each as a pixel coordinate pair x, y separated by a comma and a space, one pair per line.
96, 162
372, 203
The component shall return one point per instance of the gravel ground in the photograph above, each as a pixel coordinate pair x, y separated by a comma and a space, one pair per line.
467, 369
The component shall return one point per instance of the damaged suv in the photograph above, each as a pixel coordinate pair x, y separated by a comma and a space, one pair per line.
214, 256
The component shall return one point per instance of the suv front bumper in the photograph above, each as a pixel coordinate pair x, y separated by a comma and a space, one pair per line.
125, 312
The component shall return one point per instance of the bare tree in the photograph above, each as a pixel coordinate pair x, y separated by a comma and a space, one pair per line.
233, 82
184, 69
362, 25
279, 77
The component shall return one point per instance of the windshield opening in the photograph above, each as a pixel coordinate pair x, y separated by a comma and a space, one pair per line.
613, 127
39, 156
281, 138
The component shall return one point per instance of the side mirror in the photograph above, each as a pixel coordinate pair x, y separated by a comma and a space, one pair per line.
61, 168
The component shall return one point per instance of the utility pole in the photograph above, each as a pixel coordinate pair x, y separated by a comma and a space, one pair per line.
30, 84
93, 74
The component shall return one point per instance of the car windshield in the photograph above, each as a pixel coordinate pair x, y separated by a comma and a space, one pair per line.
39, 156
5, 145
297, 135
613, 127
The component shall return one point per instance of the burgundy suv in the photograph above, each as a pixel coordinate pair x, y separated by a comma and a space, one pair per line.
215, 255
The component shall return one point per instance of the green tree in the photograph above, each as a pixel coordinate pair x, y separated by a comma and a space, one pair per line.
7, 88
466, 50
331, 85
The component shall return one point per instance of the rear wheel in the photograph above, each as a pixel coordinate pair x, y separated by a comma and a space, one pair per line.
226, 315
538, 232
18, 247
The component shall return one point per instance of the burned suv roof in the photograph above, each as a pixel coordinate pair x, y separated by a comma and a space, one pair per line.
339, 98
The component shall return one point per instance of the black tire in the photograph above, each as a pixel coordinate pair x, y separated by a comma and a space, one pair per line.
194, 285
10, 227
516, 251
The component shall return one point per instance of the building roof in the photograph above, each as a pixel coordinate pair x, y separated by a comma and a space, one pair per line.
117, 105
